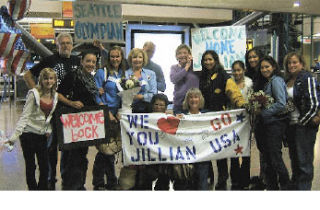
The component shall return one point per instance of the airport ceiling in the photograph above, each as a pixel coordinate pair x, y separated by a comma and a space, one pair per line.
311, 7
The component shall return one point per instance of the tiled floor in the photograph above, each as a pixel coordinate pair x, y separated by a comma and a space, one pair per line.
12, 169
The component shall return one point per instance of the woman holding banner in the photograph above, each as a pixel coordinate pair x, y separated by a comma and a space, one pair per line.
82, 85
182, 76
240, 173
107, 81
219, 90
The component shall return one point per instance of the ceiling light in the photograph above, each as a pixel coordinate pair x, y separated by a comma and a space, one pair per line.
296, 4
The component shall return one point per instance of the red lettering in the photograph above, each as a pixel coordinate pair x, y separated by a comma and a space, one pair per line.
224, 117
67, 121
217, 123
99, 118
74, 136
94, 131
87, 133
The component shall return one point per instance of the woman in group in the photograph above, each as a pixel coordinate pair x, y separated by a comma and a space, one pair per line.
219, 91
34, 127
137, 59
240, 175
304, 121
82, 85
271, 123
182, 76
106, 80
193, 104
252, 59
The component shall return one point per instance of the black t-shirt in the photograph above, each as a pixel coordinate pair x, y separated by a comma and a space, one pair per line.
60, 64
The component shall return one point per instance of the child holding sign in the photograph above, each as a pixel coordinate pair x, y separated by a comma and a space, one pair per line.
34, 127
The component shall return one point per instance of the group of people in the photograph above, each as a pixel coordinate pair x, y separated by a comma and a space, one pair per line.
67, 81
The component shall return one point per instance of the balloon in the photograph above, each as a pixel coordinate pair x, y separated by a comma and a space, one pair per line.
18, 8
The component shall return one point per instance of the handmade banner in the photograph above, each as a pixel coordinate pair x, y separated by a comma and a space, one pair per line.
84, 127
228, 42
97, 21
155, 138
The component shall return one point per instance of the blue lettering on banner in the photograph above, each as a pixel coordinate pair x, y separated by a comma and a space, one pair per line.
224, 142
144, 137
130, 137
145, 154
132, 119
87, 30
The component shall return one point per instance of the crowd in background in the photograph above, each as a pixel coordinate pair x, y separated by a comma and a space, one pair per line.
211, 89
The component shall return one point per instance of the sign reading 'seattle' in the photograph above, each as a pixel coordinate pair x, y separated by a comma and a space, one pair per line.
97, 21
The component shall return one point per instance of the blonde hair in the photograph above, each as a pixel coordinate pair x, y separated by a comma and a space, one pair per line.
183, 46
192, 91
134, 52
43, 75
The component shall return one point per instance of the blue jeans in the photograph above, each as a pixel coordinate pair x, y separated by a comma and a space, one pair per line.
269, 141
202, 170
305, 139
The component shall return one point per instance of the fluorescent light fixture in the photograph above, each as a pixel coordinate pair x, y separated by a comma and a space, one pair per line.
296, 4
36, 20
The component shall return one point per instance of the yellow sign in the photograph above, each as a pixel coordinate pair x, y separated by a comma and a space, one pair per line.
62, 23
42, 30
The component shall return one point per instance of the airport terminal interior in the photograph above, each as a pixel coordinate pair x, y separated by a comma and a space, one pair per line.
275, 28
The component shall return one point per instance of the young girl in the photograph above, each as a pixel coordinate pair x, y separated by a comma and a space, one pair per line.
240, 173
34, 127
270, 124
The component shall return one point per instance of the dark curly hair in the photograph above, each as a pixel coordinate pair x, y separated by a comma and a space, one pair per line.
251, 71
207, 73
260, 79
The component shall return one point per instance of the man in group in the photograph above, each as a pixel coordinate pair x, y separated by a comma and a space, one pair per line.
62, 62
149, 48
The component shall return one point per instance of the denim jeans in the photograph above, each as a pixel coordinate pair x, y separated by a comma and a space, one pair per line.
202, 171
104, 165
35, 145
305, 139
269, 141
52, 158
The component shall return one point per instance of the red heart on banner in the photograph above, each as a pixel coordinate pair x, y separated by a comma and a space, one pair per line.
169, 125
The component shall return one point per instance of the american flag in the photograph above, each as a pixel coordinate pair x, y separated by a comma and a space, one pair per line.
18, 8
7, 43
17, 63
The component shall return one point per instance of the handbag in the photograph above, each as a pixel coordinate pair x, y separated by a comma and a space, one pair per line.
114, 146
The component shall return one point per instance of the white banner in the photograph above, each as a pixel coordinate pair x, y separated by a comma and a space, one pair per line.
97, 20
229, 42
154, 138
